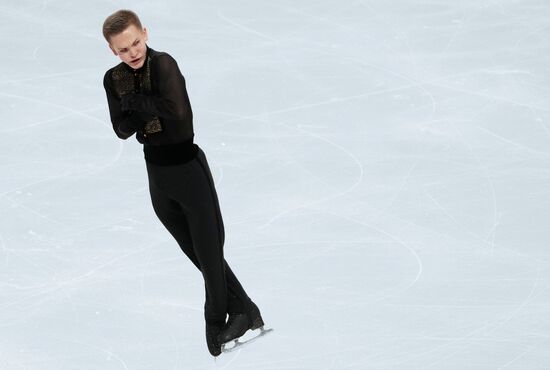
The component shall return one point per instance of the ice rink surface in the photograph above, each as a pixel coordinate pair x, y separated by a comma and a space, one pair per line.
383, 169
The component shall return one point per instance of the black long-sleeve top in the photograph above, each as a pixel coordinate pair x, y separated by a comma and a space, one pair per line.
152, 102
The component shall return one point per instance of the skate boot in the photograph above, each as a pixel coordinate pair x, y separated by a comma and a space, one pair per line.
239, 323
213, 329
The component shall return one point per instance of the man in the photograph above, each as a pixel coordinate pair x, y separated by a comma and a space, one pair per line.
147, 96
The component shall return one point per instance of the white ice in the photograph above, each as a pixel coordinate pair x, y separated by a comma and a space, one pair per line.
383, 169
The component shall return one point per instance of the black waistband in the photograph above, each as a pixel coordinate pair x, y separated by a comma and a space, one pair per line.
170, 154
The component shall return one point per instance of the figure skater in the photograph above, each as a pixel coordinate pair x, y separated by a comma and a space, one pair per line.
147, 96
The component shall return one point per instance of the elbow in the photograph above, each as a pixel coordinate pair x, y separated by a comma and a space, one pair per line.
123, 129
122, 135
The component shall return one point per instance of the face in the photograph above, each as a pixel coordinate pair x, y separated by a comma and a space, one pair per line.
130, 46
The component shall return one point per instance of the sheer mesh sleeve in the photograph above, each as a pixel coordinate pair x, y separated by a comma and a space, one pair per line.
172, 102
125, 124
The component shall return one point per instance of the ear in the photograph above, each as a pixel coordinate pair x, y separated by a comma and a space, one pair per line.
146, 35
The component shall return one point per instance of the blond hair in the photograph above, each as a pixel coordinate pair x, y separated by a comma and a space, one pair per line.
118, 22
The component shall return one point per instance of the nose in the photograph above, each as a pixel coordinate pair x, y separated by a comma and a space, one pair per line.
133, 53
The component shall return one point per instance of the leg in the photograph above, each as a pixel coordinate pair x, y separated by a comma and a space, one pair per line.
238, 300
171, 214
174, 220
191, 216
243, 313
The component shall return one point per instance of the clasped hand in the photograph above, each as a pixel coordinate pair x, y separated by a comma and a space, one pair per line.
127, 102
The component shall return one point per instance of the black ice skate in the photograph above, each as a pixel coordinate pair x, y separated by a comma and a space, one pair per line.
213, 330
238, 324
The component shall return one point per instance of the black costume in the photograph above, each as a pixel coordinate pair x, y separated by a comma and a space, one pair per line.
152, 102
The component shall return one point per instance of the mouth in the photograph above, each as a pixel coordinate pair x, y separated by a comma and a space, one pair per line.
135, 61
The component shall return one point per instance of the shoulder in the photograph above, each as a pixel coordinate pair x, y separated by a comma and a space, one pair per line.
108, 77
162, 60
155, 54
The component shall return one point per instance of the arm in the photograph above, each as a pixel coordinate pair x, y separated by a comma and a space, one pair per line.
125, 124
172, 101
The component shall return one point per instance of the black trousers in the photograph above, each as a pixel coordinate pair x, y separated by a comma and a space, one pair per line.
185, 201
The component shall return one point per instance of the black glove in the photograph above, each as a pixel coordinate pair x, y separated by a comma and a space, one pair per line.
127, 102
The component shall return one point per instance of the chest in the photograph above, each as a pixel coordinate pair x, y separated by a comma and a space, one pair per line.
126, 81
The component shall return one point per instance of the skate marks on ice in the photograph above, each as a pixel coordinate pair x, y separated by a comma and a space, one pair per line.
237, 343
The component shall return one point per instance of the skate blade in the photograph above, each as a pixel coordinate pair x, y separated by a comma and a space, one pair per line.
239, 342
